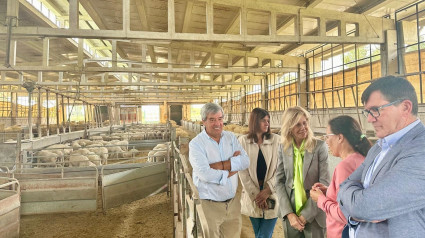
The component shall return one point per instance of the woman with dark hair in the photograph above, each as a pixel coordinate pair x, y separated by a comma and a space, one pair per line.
258, 198
345, 140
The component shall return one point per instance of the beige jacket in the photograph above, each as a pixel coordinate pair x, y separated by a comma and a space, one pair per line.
248, 177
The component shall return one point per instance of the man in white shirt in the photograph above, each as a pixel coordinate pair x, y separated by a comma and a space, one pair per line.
216, 156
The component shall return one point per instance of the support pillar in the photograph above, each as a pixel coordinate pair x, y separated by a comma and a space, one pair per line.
302, 86
389, 64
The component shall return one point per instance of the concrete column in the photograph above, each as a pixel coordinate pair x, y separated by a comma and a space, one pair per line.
46, 51
400, 44
171, 17
14, 107
74, 14
302, 86
243, 104
80, 52
210, 17
12, 13
114, 53
126, 15
389, 64
264, 91
230, 106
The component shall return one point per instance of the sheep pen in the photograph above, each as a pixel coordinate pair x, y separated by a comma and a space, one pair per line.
148, 217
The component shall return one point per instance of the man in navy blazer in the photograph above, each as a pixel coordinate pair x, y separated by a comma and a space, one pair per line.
385, 196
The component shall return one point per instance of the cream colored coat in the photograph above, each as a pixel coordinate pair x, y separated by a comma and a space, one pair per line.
249, 180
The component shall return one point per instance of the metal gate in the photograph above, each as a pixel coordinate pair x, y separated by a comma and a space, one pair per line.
131, 184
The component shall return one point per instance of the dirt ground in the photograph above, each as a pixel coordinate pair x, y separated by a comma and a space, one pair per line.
148, 217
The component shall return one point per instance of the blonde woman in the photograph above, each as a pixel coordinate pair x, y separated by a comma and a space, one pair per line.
258, 200
303, 161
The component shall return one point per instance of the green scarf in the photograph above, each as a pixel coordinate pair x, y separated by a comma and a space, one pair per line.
300, 195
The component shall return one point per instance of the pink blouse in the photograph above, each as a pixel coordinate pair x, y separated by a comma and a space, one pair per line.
335, 220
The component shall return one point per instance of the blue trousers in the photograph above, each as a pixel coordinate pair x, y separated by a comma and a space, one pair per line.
263, 228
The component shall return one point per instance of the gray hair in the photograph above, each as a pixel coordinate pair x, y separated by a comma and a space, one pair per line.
210, 108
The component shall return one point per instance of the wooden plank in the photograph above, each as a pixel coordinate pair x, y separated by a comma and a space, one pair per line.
59, 195
58, 207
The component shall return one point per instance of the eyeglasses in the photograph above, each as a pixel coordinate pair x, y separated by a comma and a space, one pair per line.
374, 111
325, 137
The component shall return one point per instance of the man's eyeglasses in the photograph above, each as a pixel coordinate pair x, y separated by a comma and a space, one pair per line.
325, 137
374, 111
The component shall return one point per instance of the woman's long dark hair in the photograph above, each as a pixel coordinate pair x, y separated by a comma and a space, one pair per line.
350, 129
254, 123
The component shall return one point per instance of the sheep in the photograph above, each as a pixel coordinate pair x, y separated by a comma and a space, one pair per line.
77, 160
75, 145
151, 156
96, 138
46, 157
158, 153
81, 152
101, 151
160, 156
66, 150
122, 144
114, 151
94, 158
130, 154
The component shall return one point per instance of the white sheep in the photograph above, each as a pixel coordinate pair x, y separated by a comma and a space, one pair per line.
130, 154
94, 158
114, 151
66, 149
81, 152
102, 152
75, 145
76, 160
96, 138
122, 144
46, 157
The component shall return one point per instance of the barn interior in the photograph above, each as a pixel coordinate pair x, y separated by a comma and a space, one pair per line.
130, 75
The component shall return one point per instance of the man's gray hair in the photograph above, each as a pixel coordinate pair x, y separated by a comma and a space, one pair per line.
210, 108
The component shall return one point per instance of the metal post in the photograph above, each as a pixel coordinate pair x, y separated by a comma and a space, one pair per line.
47, 113
57, 114
63, 115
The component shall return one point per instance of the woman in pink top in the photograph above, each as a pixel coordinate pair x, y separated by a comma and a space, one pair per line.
345, 140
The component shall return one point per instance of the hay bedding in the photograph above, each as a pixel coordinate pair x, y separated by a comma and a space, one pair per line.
148, 217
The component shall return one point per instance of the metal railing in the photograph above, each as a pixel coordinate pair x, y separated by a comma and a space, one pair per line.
189, 217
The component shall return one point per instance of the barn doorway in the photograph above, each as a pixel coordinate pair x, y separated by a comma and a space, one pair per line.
176, 113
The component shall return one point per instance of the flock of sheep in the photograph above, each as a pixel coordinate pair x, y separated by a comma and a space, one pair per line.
98, 150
